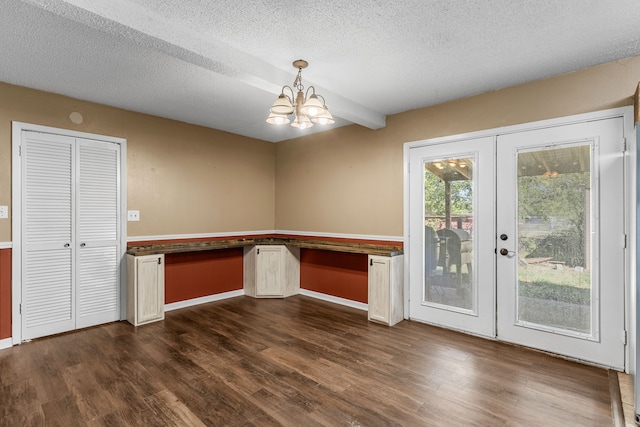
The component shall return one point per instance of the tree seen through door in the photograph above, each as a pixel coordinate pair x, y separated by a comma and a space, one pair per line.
554, 237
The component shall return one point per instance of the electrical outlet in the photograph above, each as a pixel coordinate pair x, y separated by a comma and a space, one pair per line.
4, 211
133, 215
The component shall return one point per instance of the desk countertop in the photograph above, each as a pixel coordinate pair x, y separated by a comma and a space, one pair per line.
391, 249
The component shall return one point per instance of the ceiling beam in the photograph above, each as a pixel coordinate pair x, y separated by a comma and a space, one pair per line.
143, 27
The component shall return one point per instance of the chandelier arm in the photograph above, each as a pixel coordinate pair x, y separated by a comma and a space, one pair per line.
324, 103
312, 89
290, 98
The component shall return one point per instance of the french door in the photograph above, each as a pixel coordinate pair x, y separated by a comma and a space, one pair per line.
561, 240
452, 192
70, 236
521, 237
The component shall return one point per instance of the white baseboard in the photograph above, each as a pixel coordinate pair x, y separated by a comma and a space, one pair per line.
6, 343
336, 300
203, 300
240, 292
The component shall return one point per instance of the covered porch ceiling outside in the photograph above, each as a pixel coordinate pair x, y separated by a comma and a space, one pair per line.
549, 161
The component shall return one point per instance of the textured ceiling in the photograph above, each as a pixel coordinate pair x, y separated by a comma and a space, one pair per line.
222, 63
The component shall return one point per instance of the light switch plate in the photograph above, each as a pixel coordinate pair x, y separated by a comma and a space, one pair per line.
4, 211
133, 215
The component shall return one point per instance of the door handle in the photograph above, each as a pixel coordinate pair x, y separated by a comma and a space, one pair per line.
66, 245
506, 252
82, 245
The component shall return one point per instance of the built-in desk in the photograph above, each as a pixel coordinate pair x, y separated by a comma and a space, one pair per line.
385, 266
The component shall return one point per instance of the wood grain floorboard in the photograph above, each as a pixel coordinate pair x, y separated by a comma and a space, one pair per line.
291, 362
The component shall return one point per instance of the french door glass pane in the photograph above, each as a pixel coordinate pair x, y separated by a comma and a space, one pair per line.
554, 239
448, 221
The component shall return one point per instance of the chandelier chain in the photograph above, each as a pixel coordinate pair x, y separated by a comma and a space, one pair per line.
297, 83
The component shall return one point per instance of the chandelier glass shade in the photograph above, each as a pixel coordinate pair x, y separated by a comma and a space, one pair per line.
307, 107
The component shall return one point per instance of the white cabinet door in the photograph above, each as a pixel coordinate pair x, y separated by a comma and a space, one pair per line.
379, 307
269, 271
145, 288
149, 288
386, 300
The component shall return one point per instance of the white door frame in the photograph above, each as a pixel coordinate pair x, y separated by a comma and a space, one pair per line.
16, 214
626, 113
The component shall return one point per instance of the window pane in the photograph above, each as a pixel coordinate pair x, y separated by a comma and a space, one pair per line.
554, 238
448, 214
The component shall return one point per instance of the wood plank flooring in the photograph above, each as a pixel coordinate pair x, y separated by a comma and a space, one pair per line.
291, 362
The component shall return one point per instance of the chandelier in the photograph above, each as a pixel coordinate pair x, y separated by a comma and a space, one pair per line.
306, 109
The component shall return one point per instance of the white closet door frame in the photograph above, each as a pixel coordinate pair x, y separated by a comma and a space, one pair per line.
16, 213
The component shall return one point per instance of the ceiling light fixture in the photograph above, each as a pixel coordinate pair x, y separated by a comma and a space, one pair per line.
306, 109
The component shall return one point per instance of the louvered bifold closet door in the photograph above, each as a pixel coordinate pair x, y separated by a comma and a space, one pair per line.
98, 229
48, 297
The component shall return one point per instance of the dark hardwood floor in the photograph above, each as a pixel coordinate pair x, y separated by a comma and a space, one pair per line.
292, 362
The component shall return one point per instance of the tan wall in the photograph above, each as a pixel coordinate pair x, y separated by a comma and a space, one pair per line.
187, 179
350, 180
184, 179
